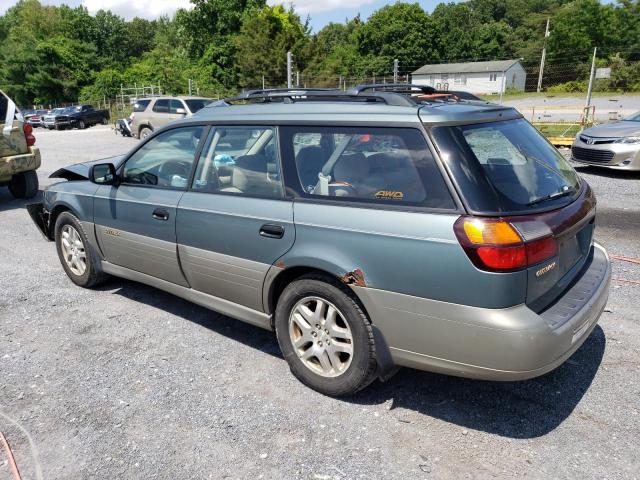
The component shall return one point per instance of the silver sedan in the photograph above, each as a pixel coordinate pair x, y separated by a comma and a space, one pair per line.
614, 145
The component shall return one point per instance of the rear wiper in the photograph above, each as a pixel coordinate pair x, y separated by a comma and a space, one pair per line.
566, 190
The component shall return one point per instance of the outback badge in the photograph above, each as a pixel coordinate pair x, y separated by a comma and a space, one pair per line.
546, 269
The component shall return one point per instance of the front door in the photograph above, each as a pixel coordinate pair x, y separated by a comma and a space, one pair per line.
136, 220
234, 223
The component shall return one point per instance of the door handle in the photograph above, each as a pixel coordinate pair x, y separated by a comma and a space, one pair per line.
272, 231
160, 214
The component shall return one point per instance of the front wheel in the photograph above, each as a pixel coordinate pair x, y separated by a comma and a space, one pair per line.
24, 185
325, 337
77, 257
82, 125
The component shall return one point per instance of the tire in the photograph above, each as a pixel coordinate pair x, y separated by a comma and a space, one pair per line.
352, 374
24, 185
144, 133
90, 275
81, 124
104, 121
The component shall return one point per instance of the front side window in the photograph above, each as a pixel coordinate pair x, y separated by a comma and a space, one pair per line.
506, 166
174, 105
377, 165
240, 160
196, 104
165, 160
161, 106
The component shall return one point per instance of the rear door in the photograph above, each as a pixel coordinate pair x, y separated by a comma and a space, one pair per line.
162, 113
235, 222
136, 221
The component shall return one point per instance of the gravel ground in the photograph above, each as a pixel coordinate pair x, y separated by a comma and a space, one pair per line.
556, 108
129, 382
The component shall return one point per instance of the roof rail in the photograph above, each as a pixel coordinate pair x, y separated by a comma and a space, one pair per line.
319, 94
403, 88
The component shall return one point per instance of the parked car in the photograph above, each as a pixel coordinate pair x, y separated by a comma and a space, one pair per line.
81, 116
34, 117
614, 145
19, 158
51, 120
353, 224
149, 114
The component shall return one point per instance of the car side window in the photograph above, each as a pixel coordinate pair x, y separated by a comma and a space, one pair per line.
161, 106
376, 165
174, 105
240, 160
141, 105
165, 160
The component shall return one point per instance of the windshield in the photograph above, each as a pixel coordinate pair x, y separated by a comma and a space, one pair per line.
196, 104
506, 166
634, 118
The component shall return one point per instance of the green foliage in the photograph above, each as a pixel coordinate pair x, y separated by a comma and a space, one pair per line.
53, 55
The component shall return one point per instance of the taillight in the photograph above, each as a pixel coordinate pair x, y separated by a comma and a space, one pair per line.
28, 133
497, 245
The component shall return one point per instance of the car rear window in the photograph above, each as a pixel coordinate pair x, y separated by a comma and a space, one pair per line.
141, 105
366, 164
506, 166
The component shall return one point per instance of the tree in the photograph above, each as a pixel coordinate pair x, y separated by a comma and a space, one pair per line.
265, 37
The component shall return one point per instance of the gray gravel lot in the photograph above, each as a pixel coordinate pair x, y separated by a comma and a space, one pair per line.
129, 382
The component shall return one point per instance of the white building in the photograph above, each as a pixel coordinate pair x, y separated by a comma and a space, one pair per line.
475, 77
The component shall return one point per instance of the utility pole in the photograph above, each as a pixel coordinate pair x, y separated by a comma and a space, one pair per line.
289, 62
544, 54
395, 70
189, 86
593, 72
297, 78
262, 82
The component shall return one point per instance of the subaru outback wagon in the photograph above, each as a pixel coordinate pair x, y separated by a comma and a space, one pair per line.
371, 229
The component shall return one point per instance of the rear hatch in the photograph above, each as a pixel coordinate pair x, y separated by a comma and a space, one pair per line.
513, 182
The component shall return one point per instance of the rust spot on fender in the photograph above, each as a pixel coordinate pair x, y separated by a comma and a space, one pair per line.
280, 264
354, 277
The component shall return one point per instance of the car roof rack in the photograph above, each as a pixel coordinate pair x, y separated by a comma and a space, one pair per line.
403, 88
293, 95
395, 94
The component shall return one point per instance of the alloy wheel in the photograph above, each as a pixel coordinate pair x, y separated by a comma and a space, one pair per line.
321, 336
73, 250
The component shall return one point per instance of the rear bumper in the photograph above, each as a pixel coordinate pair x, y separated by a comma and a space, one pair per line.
492, 344
14, 164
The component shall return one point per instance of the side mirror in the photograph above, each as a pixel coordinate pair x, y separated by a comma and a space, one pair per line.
103, 174
181, 111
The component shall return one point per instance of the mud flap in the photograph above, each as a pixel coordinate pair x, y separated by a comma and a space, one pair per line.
386, 367
40, 217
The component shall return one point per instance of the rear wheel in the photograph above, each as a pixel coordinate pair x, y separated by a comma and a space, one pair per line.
77, 257
144, 133
24, 185
325, 337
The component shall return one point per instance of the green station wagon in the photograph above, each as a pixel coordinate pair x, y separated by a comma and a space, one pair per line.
370, 229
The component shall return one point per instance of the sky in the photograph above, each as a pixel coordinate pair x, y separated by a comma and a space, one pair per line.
320, 11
